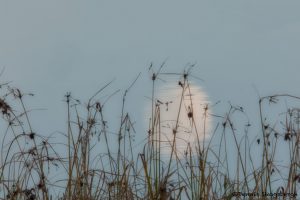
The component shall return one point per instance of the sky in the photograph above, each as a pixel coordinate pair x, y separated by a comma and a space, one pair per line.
241, 49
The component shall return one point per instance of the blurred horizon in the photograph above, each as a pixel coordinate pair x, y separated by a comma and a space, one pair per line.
242, 50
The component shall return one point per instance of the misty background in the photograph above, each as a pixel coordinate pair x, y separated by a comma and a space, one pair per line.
241, 49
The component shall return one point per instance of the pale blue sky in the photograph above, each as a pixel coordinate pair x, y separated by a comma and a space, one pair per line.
51, 47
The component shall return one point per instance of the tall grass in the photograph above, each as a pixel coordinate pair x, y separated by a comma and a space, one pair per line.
99, 164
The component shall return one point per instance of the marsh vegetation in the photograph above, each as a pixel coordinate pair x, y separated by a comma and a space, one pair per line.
95, 163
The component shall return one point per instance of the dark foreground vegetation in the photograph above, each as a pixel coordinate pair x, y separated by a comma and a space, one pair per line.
98, 164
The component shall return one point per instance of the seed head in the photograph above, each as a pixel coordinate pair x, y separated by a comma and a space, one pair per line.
31, 135
190, 114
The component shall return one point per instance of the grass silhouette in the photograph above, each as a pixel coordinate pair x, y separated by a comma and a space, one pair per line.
222, 168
